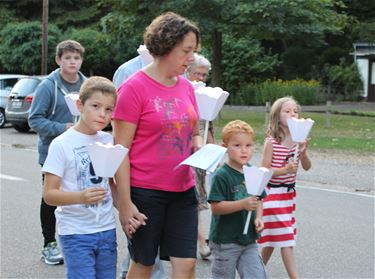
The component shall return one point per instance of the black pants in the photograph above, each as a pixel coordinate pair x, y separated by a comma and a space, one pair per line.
47, 220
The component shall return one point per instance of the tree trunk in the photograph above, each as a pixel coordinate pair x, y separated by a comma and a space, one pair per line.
216, 58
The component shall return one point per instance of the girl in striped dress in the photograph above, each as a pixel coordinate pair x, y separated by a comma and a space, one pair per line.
279, 206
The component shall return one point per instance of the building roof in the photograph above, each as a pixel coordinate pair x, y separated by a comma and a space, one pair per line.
364, 50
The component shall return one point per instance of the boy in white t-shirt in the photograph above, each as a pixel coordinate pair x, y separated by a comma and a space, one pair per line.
89, 247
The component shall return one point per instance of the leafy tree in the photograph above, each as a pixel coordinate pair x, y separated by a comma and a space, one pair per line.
245, 41
64, 13
20, 48
285, 20
297, 63
245, 61
97, 57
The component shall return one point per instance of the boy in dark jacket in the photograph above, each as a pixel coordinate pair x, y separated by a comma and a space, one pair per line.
49, 117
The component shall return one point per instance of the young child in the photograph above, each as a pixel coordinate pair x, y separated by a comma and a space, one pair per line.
49, 117
89, 247
230, 204
279, 205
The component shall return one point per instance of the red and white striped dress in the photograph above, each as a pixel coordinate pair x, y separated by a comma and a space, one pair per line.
280, 204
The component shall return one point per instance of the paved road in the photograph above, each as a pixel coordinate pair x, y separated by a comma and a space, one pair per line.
336, 228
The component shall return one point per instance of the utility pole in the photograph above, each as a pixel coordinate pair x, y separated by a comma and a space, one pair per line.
44, 38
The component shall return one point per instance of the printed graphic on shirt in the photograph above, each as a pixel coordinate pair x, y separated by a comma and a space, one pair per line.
239, 191
86, 177
176, 126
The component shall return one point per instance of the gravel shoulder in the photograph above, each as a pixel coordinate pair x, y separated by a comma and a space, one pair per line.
339, 170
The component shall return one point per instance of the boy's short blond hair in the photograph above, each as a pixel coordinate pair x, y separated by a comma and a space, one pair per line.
235, 127
97, 84
69, 45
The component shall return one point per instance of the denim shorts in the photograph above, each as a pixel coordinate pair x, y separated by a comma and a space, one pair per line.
90, 256
227, 258
172, 225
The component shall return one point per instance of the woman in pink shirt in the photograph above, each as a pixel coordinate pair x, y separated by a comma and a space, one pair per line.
156, 117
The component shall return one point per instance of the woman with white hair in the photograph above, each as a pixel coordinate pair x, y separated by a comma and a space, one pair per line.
198, 71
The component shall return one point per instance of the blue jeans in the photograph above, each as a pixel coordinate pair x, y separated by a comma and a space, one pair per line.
90, 256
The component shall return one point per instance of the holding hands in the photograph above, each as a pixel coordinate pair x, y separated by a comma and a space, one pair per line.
132, 220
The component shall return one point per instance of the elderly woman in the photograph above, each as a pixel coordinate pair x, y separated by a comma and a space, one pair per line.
198, 71
156, 117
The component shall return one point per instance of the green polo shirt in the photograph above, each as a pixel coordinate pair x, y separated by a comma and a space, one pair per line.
228, 184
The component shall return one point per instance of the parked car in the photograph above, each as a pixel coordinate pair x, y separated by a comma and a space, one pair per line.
19, 102
7, 81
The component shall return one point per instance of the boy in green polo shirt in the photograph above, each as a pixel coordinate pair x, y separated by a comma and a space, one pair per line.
230, 203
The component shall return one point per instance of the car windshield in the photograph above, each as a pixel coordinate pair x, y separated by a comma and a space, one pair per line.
25, 86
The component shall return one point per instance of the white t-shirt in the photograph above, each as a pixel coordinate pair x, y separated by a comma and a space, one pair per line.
68, 158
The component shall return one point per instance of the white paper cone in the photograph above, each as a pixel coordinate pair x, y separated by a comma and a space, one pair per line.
210, 101
299, 128
246, 228
207, 158
71, 101
197, 84
256, 179
145, 55
106, 159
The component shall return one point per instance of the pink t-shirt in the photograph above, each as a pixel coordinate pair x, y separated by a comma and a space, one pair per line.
165, 119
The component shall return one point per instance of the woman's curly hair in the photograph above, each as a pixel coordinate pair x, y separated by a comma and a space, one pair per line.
166, 31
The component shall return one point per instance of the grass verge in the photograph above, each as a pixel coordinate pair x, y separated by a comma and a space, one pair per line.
346, 132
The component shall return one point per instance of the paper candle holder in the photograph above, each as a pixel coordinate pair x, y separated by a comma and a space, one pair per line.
299, 128
256, 179
106, 158
145, 55
197, 84
207, 158
71, 101
210, 101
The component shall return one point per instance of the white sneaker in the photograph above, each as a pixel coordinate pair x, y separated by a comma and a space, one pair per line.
51, 254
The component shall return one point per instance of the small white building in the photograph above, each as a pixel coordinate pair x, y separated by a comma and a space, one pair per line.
364, 57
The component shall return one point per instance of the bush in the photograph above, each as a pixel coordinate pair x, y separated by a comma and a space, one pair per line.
305, 92
20, 48
245, 60
98, 52
345, 81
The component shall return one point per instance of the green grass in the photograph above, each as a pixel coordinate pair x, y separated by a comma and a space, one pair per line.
347, 132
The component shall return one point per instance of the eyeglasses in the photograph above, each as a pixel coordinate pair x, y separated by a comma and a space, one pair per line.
202, 75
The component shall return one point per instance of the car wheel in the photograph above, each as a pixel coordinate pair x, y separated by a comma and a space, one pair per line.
23, 128
2, 118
